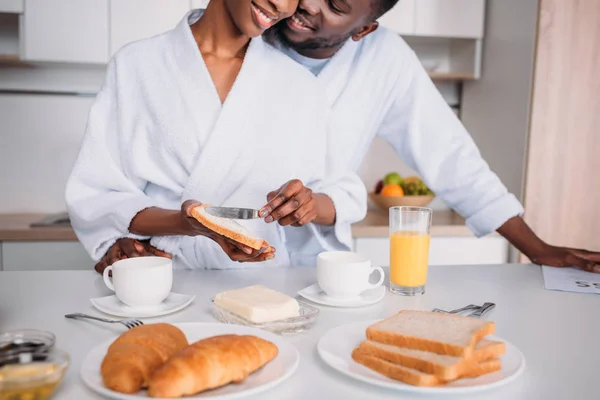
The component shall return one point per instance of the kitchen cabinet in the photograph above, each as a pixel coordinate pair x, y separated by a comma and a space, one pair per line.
564, 126
443, 250
70, 31
445, 18
45, 256
401, 18
132, 20
11, 6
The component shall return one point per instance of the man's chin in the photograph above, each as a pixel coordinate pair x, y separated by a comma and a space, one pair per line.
292, 37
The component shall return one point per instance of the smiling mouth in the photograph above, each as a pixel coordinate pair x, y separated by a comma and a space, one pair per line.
264, 18
299, 24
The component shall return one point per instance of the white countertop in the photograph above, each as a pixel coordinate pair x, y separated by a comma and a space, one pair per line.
556, 331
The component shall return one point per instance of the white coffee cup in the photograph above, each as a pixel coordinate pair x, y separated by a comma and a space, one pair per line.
344, 274
141, 281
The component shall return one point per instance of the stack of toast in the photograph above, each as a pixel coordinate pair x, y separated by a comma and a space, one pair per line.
423, 348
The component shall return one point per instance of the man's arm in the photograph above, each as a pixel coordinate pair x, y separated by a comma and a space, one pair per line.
428, 136
517, 232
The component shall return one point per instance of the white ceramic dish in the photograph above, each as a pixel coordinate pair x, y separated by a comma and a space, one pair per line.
335, 348
113, 306
315, 294
275, 372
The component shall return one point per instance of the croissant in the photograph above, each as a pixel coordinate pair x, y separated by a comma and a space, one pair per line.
209, 364
136, 354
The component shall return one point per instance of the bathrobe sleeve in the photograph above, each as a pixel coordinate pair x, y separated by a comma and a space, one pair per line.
103, 194
428, 136
348, 194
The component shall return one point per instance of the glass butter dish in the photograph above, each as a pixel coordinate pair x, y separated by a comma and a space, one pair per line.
290, 326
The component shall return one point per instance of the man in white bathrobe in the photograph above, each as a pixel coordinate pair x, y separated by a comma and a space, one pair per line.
375, 82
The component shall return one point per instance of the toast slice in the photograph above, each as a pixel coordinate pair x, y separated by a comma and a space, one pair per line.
415, 377
487, 349
447, 368
229, 228
440, 333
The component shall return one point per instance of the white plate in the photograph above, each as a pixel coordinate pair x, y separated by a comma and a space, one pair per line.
275, 372
315, 294
335, 348
113, 306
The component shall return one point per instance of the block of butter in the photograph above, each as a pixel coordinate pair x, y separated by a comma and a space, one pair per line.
258, 304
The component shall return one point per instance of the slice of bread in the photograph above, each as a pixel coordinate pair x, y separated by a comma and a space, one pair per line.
447, 368
440, 333
487, 349
415, 377
484, 368
229, 228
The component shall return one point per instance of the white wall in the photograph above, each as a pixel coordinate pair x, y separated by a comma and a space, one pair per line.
495, 108
39, 141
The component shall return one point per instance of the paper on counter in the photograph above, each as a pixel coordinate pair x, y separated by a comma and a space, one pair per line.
571, 280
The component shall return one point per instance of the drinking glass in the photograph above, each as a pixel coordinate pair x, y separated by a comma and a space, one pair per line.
409, 249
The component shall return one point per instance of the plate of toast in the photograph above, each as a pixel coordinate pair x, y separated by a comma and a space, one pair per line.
423, 352
191, 360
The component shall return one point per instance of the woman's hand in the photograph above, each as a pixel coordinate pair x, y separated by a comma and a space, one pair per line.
128, 248
236, 251
296, 205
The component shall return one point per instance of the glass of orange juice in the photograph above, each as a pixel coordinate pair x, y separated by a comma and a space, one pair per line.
409, 249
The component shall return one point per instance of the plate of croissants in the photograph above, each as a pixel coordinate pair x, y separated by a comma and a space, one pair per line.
191, 360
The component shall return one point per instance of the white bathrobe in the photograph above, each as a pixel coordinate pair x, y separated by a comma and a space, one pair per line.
158, 135
377, 86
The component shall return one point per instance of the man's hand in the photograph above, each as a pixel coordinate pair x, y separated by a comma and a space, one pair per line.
236, 251
539, 252
128, 248
566, 257
295, 204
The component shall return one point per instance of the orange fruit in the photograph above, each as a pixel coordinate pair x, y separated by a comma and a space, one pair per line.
392, 191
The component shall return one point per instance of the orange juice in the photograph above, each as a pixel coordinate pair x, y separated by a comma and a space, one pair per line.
409, 257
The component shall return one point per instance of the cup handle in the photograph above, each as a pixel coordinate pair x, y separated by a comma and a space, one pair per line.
107, 281
381, 277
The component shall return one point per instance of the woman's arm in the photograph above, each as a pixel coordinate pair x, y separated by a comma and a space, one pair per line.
156, 221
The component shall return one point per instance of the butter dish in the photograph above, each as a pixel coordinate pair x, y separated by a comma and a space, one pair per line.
264, 308
258, 304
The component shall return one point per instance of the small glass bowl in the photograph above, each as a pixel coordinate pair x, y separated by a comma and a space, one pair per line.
290, 326
26, 340
34, 375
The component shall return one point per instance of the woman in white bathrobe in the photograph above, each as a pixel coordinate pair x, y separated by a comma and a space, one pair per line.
196, 113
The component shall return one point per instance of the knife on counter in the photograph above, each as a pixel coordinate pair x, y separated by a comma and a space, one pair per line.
232, 212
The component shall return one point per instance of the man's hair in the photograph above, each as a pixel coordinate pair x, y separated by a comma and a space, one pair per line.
380, 7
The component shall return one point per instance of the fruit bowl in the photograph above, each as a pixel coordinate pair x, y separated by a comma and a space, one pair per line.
385, 202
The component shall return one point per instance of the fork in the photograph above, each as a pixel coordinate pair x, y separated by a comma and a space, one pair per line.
129, 323
470, 307
484, 309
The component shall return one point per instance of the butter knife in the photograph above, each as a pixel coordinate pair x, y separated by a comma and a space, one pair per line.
232, 212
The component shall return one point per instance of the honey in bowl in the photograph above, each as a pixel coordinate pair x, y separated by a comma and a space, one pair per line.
30, 376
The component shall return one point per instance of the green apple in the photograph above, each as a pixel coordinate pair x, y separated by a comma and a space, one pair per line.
393, 178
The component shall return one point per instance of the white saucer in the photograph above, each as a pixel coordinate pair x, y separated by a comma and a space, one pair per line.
315, 294
113, 306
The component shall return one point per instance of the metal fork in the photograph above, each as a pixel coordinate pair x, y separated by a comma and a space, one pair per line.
470, 307
129, 323
484, 309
